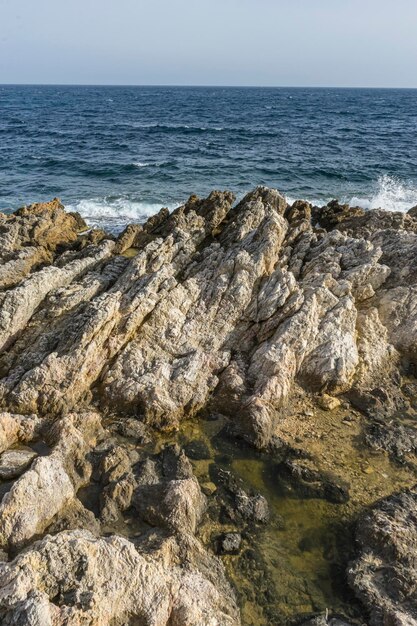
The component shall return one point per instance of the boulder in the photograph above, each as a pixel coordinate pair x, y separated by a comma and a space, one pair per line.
76, 578
51, 482
384, 576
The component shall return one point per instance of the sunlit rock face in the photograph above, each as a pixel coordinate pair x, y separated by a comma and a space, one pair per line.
243, 310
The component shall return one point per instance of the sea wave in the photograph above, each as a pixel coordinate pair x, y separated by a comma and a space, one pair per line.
390, 193
115, 213
141, 164
175, 127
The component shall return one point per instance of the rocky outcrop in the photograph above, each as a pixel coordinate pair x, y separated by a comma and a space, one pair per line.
30, 237
256, 311
51, 482
385, 574
221, 305
75, 578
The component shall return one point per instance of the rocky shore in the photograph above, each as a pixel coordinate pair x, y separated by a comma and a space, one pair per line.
146, 378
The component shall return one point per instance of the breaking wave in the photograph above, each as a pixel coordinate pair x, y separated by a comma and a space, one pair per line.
391, 194
115, 213
388, 193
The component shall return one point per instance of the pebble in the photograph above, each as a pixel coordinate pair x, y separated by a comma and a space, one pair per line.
328, 403
229, 543
368, 470
209, 488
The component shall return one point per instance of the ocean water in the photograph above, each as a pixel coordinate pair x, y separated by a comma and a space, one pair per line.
118, 154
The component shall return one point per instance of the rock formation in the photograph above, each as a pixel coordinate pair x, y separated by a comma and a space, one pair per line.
250, 311
385, 574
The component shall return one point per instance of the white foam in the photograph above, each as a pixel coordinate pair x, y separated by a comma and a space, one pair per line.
115, 213
313, 201
390, 193
154, 164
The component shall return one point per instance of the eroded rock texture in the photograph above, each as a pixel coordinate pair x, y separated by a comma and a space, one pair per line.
239, 310
385, 574
225, 305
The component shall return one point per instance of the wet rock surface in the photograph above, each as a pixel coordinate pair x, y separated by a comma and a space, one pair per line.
295, 326
229, 543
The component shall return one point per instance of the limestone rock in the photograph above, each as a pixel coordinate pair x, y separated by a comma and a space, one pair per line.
385, 574
14, 462
172, 496
222, 305
18, 429
74, 517
50, 484
133, 429
229, 543
328, 403
75, 578
248, 311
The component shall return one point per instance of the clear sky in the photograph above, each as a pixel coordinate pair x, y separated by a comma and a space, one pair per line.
210, 42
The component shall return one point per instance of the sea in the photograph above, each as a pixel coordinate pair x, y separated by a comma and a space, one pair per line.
119, 154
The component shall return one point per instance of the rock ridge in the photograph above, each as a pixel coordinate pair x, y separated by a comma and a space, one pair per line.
248, 311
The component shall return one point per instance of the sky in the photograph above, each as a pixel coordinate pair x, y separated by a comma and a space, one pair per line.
350, 43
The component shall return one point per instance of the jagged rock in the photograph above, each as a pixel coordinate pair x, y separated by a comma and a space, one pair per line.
239, 503
222, 305
252, 508
335, 213
197, 450
93, 236
75, 578
385, 574
133, 429
17, 429
117, 497
413, 211
178, 505
30, 237
398, 440
127, 238
51, 483
74, 517
307, 482
115, 463
239, 310
171, 497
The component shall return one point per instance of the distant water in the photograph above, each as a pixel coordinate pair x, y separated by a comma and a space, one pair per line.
118, 154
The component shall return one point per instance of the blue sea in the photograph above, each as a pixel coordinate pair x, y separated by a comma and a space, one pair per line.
118, 154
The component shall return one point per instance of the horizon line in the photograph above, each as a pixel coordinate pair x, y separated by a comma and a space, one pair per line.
200, 86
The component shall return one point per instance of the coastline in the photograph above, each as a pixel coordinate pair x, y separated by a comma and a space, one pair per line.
198, 411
